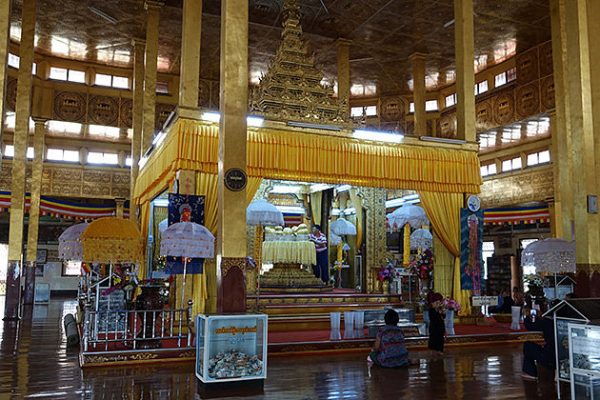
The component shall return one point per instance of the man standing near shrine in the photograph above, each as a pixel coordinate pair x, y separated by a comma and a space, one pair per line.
321, 270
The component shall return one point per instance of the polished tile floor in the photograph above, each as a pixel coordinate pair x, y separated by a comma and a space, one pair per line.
35, 364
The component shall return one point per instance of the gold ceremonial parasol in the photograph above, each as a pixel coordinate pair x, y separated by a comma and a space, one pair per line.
112, 240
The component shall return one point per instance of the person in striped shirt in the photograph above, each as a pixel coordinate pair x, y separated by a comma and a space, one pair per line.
321, 270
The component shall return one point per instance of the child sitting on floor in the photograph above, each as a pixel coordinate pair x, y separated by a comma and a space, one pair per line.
389, 349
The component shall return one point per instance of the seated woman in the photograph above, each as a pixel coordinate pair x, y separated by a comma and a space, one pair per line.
389, 349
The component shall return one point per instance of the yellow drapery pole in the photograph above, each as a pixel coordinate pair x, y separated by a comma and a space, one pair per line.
406, 245
144, 221
443, 210
357, 204
315, 207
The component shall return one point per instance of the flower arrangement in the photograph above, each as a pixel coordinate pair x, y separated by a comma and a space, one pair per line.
451, 304
535, 283
422, 264
386, 273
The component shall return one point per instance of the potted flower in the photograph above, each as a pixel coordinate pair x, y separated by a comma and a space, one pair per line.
422, 266
385, 276
452, 307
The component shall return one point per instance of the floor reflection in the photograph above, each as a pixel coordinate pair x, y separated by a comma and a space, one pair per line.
35, 363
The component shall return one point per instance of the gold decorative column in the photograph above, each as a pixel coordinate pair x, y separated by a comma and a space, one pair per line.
5, 11
153, 15
343, 71
34, 208
231, 240
420, 115
374, 203
21, 136
464, 48
137, 117
573, 49
189, 77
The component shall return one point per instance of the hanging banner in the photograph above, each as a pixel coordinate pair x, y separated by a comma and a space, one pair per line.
471, 242
185, 208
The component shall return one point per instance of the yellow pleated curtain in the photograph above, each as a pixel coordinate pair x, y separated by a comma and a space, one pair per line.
443, 210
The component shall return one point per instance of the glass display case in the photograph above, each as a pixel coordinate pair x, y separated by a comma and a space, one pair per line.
584, 359
231, 347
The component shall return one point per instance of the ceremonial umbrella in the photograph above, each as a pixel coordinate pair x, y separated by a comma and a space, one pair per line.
69, 243
342, 227
407, 216
550, 256
187, 240
421, 239
261, 213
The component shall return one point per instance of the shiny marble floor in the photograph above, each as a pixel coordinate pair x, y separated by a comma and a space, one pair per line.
35, 364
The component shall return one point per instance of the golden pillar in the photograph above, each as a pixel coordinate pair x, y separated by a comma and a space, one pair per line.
231, 241
420, 115
153, 15
137, 118
34, 208
343, 71
5, 11
560, 127
189, 77
573, 52
464, 45
21, 135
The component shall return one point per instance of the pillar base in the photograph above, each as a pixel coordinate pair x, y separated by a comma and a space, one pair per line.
232, 288
29, 291
12, 308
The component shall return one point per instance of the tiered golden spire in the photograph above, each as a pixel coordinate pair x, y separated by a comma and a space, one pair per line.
291, 90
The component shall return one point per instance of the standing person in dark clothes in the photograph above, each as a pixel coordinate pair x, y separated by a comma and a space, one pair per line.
437, 327
533, 352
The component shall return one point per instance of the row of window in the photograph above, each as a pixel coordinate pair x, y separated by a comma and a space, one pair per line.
72, 156
499, 80
73, 128
533, 159
432, 105
78, 76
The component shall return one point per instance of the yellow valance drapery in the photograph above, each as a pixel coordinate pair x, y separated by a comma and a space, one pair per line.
287, 154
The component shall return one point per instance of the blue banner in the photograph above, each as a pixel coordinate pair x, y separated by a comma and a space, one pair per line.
471, 242
185, 208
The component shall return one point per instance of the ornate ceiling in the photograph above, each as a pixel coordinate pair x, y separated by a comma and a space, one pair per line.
384, 33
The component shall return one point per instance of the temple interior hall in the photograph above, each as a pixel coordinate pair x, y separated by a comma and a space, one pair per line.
299, 199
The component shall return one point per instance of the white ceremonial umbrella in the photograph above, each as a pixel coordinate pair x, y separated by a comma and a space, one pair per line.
421, 239
342, 227
410, 214
261, 212
551, 256
69, 243
187, 240
334, 239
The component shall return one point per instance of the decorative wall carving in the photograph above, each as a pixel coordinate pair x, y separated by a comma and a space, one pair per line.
391, 109
546, 62
528, 100
162, 113
126, 113
11, 94
374, 203
485, 115
547, 95
103, 110
70, 106
527, 66
75, 181
448, 125
504, 108
534, 185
